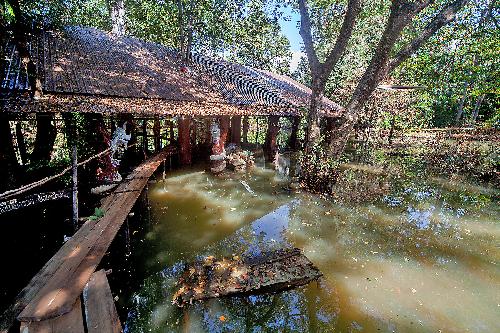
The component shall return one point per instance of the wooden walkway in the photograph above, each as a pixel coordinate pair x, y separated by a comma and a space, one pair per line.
55, 290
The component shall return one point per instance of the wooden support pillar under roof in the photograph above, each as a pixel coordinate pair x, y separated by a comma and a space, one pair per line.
236, 130
246, 126
224, 130
184, 126
157, 133
270, 144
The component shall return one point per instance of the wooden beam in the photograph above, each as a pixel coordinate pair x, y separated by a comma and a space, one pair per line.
52, 292
70, 322
100, 311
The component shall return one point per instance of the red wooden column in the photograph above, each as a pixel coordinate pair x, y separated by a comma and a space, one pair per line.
236, 129
184, 125
270, 144
224, 130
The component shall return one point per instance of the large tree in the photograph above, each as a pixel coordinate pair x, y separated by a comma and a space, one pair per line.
385, 58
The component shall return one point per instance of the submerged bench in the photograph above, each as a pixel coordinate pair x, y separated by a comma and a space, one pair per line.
54, 290
266, 273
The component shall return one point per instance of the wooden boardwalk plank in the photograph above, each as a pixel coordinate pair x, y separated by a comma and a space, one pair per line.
100, 310
71, 322
54, 291
268, 272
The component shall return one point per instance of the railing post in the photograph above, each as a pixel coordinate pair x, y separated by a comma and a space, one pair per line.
75, 186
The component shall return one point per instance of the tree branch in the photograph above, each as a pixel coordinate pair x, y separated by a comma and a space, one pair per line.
306, 34
353, 9
445, 16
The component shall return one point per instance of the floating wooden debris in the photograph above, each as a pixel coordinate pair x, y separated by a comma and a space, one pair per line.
270, 272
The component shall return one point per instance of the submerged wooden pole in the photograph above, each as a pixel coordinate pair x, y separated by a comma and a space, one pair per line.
185, 140
270, 145
75, 186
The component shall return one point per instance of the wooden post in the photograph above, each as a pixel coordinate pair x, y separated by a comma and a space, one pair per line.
256, 130
21, 145
246, 125
156, 132
293, 142
184, 126
145, 135
236, 130
270, 145
224, 130
171, 132
75, 186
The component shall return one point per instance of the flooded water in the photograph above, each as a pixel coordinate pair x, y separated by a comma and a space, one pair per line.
410, 252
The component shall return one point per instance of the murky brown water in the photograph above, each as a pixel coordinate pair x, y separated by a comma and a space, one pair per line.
420, 255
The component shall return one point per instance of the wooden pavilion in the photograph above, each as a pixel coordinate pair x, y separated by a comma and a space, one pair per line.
88, 70
93, 72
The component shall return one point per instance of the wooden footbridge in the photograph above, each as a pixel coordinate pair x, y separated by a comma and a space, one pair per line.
51, 302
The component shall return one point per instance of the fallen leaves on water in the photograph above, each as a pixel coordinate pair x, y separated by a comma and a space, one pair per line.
222, 318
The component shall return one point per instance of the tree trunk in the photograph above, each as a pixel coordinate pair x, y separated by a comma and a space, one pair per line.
117, 13
460, 109
339, 133
293, 141
246, 126
8, 162
236, 130
313, 131
21, 145
45, 136
479, 101
270, 145
184, 127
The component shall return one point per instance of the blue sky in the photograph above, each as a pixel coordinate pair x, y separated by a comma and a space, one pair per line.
291, 31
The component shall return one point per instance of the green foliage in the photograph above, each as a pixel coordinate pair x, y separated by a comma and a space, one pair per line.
458, 65
318, 170
98, 213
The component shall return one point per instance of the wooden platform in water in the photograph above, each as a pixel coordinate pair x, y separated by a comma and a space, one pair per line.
269, 272
54, 289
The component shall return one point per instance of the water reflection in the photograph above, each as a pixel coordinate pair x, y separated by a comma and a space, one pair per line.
421, 257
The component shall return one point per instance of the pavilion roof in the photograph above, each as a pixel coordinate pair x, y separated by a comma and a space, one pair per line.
85, 69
